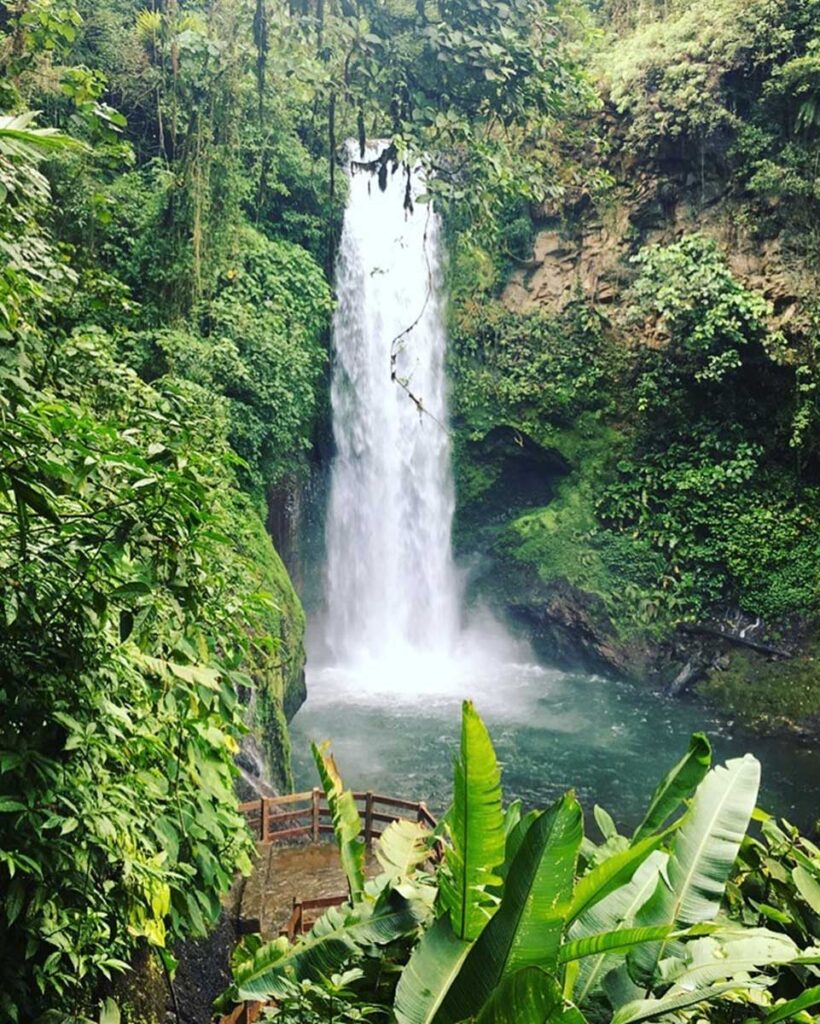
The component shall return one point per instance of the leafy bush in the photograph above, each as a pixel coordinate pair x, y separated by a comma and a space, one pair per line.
698, 482
130, 621
122, 643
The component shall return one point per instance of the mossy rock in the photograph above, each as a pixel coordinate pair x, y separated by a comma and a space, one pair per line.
278, 654
770, 696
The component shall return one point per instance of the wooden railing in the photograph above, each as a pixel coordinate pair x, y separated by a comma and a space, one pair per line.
276, 819
243, 1013
304, 913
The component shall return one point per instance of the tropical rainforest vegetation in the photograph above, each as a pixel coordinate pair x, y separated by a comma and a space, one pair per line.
511, 916
170, 205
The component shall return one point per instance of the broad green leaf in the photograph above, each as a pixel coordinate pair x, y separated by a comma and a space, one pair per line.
702, 855
611, 874
616, 911
653, 1009
337, 935
19, 138
527, 927
617, 984
475, 824
726, 955
810, 997
35, 499
433, 966
604, 821
109, 1012
347, 824
402, 848
515, 838
530, 996
808, 886
677, 785
610, 942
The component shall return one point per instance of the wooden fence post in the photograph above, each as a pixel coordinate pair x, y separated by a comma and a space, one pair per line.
368, 818
315, 810
263, 826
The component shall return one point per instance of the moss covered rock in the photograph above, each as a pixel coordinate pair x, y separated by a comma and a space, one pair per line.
277, 652
770, 695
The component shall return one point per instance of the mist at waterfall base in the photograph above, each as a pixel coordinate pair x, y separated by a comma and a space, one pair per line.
391, 651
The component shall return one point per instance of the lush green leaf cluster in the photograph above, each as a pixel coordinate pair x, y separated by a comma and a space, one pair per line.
531, 921
134, 622
534, 370
709, 479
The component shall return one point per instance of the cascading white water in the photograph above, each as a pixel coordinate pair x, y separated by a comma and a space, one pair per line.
391, 584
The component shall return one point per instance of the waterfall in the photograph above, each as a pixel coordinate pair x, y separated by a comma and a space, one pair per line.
391, 584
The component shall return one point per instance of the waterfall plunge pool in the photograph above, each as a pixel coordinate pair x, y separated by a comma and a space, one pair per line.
552, 730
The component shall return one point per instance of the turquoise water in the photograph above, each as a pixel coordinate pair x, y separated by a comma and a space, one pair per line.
552, 730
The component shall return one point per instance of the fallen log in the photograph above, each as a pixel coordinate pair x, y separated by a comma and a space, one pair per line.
734, 638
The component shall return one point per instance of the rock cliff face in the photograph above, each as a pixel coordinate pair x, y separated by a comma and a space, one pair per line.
585, 250
277, 665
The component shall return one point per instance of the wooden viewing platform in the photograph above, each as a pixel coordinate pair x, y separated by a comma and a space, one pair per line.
287, 821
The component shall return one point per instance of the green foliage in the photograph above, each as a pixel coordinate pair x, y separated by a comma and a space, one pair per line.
777, 880
527, 927
259, 346
699, 483
767, 695
568, 935
347, 824
677, 785
532, 370
122, 645
667, 75
475, 825
711, 80
130, 623
689, 499
334, 998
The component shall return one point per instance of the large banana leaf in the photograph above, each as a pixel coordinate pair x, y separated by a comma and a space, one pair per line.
702, 855
18, 137
808, 998
347, 825
677, 785
615, 911
655, 1009
336, 936
526, 930
402, 848
515, 837
724, 956
618, 941
530, 996
431, 970
611, 874
475, 825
